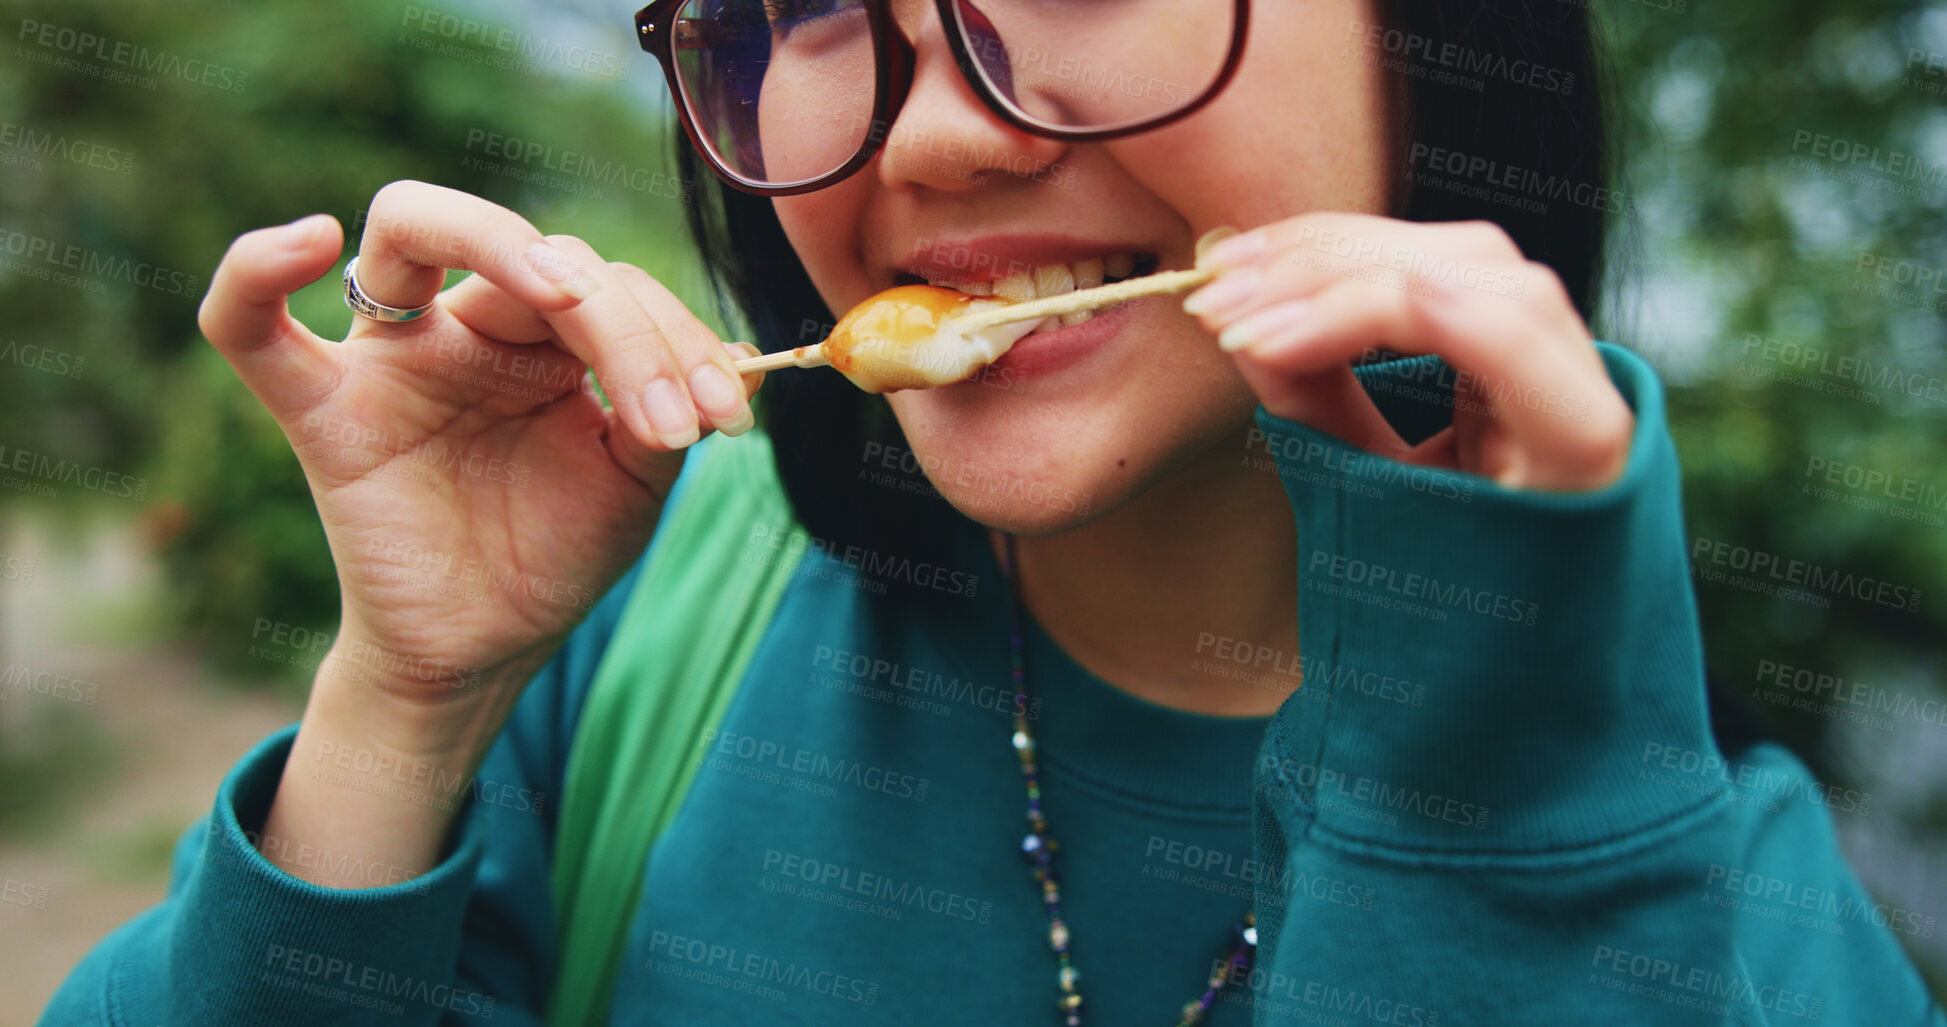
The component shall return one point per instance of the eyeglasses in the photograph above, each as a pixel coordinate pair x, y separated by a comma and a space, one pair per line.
788, 96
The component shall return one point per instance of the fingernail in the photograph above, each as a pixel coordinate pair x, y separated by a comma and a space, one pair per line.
302, 240
1281, 321
722, 399
1226, 293
555, 268
670, 416
1239, 250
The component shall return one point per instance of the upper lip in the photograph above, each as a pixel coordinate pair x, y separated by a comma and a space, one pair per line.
986, 258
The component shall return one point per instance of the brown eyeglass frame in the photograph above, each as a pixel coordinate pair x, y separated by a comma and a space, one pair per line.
893, 63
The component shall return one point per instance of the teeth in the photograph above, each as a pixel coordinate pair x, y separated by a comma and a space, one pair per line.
1048, 279
1053, 280
1088, 273
1015, 288
1076, 317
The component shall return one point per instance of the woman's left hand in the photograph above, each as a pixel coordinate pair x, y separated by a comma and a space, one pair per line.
1299, 300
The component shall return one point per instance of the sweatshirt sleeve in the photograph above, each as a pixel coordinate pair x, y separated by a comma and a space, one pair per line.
238, 941
1502, 734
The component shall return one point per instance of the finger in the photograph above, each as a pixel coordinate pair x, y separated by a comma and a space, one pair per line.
744, 350
664, 368
647, 463
492, 311
247, 316
1548, 393
706, 362
1297, 257
1331, 400
417, 231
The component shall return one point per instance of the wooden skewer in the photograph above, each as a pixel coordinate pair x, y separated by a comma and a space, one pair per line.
1031, 310
1086, 299
803, 356
1067, 303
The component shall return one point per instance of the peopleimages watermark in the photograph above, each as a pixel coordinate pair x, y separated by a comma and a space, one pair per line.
1440, 383
1748, 784
1931, 77
24, 679
27, 146
1306, 1001
1801, 688
306, 649
1451, 63
1393, 583
795, 767
856, 565
901, 468
50, 260
425, 784
1313, 677
1822, 370
450, 249
864, 891
891, 681
1820, 909
511, 49
1770, 574
1330, 464
16, 568
1416, 269
42, 473
119, 60
1695, 987
1902, 281
753, 973
1509, 185
1208, 868
1001, 376
1367, 798
538, 163
340, 865
364, 985
23, 893
1896, 495
42, 358
1904, 174
358, 446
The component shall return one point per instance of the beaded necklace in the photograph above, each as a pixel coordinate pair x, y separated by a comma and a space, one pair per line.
1039, 848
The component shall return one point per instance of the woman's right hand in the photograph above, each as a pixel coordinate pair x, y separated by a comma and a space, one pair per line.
477, 496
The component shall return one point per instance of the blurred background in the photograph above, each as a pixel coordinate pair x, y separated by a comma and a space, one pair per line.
165, 588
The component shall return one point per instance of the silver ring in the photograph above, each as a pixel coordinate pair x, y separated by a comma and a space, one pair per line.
365, 306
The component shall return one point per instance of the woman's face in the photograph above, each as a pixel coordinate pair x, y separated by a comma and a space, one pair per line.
1074, 422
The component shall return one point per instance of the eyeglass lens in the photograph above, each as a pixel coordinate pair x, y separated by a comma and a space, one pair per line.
782, 91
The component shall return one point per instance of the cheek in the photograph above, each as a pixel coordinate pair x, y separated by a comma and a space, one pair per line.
824, 228
1039, 460
1303, 126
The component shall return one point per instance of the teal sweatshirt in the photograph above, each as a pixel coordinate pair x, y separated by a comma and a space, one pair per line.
1495, 800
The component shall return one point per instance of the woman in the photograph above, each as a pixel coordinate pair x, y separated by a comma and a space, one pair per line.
1337, 696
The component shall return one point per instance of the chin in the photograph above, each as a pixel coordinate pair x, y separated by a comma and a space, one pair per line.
1064, 443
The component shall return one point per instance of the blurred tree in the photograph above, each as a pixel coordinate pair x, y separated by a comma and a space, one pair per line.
293, 109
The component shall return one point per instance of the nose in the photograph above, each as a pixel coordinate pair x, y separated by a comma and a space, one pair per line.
944, 137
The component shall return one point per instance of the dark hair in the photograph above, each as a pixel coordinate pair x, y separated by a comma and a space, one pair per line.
1539, 110
1538, 119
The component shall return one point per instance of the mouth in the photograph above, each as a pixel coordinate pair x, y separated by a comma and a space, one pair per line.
1025, 276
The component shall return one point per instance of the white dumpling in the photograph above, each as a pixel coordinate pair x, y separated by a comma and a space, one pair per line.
906, 338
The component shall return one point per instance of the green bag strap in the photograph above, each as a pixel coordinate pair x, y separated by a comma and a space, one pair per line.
686, 635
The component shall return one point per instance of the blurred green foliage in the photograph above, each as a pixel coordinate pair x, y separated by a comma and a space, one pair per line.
1741, 229
1756, 211
335, 100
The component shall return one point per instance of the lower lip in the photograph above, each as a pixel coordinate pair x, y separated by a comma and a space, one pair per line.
1047, 352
